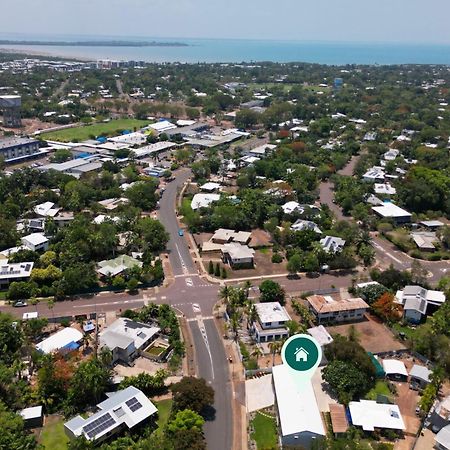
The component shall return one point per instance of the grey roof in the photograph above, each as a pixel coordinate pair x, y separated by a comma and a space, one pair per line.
118, 397
75, 423
13, 141
420, 372
416, 304
443, 437
116, 340
415, 290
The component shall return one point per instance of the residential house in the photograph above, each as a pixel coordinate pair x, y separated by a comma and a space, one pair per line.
46, 209
395, 369
299, 415
391, 154
417, 302
321, 335
63, 218
374, 175
203, 200
35, 242
116, 266
394, 212
328, 309
238, 255
126, 338
262, 151
270, 325
112, 203
384, 189
432, 224
122, 410
332, 244
224, 235
65, 339
425, 240
14, 272
32, 417
302, 225
371, 416
419, 376
290, 207
210, 187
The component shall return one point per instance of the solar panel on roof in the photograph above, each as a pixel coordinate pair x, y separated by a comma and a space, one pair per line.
133, 404
98, 425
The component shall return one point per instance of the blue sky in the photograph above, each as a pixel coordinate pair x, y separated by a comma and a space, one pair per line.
414, 21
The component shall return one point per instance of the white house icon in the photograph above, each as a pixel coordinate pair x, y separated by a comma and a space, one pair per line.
301, 355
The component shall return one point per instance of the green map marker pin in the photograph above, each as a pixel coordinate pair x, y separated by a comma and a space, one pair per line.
302, 354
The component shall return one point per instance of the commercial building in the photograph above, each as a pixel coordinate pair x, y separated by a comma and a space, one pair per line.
76, 167
122, 410
10, 106
328, 309
270, 325
125, 338
15, 149
391, 211
153, 149
14, 272
299, 416
371, 416
67, 338
417, 302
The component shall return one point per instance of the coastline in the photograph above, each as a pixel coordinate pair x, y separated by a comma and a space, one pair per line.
29, 52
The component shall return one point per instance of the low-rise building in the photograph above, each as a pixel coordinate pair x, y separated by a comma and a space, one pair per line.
36, 242
47, 209
371, 416
375, 174
210, 187
126, 338
302, 225
14, 149
395, 369
238, 255
299, 415
270, 325
442, 439
425, 240
122, 410
384, 189
116, 266
225, 235
14, 272
76, 167
67, 338
394, 212
417, 302
328, 309
332, 244
32, 417
203, 200
419, 376
440, 415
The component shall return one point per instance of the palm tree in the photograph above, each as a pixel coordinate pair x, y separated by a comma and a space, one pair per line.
251, 313
235, 324
257, 352
247, 286
274, 347
224, 294
363, 239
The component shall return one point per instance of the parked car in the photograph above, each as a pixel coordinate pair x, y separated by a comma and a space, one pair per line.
180, 232
20, 304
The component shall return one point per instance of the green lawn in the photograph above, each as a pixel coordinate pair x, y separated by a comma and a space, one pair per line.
164, 408
83, 133
53, 436
409, 332
381, 388
265, 432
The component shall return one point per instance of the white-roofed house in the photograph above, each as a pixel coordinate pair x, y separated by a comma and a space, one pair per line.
391, 211
36, 242
302, 225
374, 174
122, 410
210, 186
299, 416
270, 325
290, 207
371, 416
14, 272
384, 188
440, 415
64, 338
417, 302
395, 369
203, 200
332, 244
238, 255
126, 338
32, 417
116, 266
46, 209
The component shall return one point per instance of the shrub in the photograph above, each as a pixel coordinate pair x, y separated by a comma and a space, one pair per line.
277, 258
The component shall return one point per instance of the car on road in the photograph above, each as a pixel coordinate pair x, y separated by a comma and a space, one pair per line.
20, 304
180, 232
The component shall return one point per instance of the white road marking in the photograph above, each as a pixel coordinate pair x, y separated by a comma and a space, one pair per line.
379, 247
183, 264
109, 303
189, 282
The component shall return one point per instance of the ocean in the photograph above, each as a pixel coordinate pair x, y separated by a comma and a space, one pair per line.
241, 50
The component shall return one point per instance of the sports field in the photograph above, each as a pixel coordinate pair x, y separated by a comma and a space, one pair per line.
83, 133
